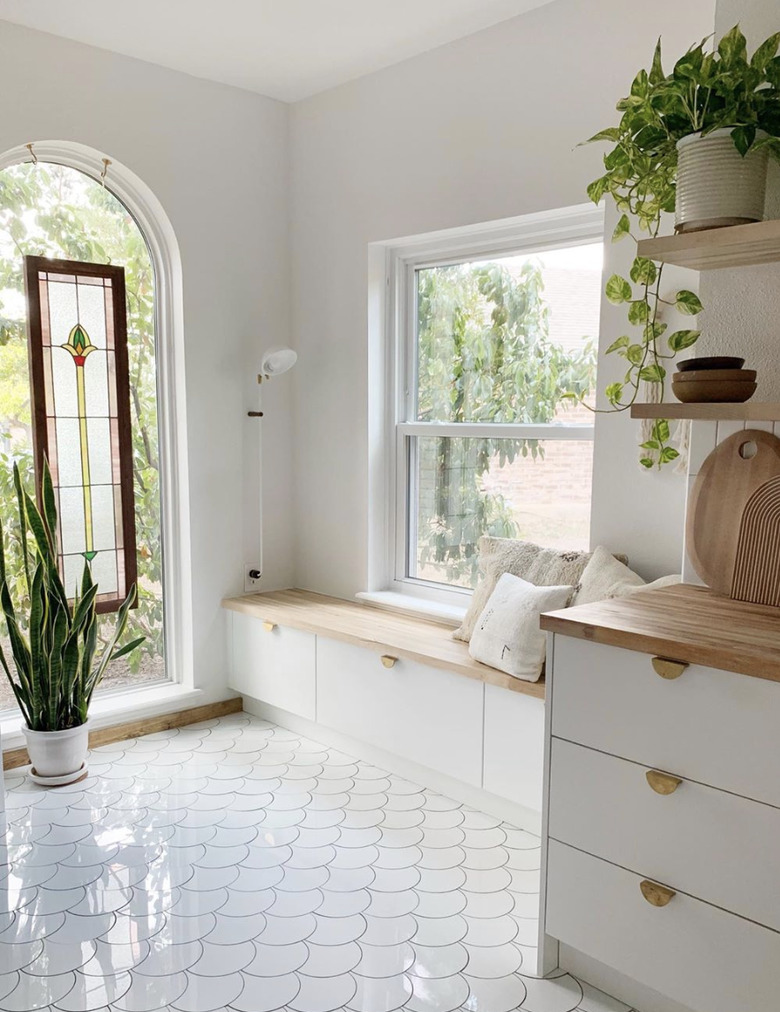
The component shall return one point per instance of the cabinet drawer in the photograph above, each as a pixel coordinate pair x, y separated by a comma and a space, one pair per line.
713, 726
695, 953
274, 665
514, 746
714, 845
426, 715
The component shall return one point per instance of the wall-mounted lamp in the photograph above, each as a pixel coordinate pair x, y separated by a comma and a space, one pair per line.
274, 362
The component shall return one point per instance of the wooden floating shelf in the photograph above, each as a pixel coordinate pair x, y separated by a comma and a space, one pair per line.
747, 412
733, 246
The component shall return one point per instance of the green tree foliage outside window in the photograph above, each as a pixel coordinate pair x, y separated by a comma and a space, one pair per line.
56, 211
484, 355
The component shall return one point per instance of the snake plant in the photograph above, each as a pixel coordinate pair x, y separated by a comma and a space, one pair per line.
54, 646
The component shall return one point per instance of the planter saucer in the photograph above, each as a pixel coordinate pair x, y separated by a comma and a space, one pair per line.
67, 778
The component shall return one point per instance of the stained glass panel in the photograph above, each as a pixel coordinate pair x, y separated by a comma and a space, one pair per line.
81, 410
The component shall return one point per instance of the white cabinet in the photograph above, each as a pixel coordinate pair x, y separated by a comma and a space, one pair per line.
514, 746
717, 727
713, 844
697, 954
429, 716
275, 665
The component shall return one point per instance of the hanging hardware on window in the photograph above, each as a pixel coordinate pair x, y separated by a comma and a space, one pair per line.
106, 163
32, 154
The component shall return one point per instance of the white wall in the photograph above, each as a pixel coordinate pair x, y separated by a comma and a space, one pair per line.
216, 158
481, 129
743, 305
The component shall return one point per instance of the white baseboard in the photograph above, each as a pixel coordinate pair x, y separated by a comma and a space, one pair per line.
638, 996
501, 808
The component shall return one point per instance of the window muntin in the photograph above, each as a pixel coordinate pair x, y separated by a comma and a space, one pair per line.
488, 443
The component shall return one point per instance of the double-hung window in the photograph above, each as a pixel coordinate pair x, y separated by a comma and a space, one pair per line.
493, 364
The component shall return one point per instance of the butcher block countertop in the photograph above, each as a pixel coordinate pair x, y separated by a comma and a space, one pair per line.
682, 623
388, 632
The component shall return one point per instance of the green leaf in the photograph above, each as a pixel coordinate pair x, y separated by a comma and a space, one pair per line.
635, 354
661, 430
618, 290
643, 271
669, 453
743, 137
688, 303
598, 188
622, 229
622, 342
638, 312
765, 53
614, 392
646, 462
653, 373
656, 70
650, 444
682, 339
609, 134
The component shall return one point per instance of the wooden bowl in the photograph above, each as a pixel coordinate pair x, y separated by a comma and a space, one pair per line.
710, 362
709, 391
716, 376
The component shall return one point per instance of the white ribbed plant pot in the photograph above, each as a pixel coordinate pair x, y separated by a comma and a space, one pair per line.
58, 754
716, 186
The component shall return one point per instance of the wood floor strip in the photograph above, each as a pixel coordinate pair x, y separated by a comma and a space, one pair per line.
16, 757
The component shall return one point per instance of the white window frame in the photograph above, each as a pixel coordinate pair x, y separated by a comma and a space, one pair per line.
392, 383
179, 689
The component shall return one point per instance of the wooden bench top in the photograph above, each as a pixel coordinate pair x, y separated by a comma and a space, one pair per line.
417, 639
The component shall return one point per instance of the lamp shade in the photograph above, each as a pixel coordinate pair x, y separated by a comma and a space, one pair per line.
275, 361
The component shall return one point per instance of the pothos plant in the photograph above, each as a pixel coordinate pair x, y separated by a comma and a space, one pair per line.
706, 90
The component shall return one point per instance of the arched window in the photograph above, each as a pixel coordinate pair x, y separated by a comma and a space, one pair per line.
104, 422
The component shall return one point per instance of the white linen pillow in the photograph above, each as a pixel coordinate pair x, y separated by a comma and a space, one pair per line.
605, 577
544, 567
507, 634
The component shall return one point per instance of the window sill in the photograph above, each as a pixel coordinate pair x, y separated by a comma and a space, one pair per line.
394, 601
115, 708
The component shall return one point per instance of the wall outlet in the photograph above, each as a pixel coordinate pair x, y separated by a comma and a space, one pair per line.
252, 577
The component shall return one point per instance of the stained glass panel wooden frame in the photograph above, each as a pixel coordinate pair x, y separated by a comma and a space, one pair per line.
80, 391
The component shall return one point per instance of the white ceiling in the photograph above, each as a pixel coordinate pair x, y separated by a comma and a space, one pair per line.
287, 49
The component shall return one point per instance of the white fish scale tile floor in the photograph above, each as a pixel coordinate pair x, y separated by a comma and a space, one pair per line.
234, 865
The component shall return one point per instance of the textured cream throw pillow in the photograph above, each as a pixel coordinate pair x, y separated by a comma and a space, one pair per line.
544, 567
605, 578
507, 634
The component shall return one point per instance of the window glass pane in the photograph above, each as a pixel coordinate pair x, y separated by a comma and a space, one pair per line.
500, 340
536, 490
59, 212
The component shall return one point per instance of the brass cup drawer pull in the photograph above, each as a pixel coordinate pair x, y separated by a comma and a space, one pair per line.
655, 894
668, 669
662, 783
388, 660
269, 626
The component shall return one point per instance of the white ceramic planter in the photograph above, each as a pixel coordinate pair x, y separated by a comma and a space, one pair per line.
58, 753
716, 186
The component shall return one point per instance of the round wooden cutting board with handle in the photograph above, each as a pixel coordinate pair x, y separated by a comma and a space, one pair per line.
733, 523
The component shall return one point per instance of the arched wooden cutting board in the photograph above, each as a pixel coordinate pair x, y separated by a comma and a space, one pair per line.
733, 523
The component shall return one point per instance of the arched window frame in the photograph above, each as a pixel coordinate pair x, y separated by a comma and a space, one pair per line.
158, 232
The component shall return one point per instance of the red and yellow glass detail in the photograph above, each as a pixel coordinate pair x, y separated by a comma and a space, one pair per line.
79, 346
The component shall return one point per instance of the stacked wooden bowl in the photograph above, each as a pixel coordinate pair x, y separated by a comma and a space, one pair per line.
722, 379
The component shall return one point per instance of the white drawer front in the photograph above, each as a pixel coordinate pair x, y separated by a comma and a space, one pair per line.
714, 845
514, 746
713, 726
698, 955
276, 666
428, 716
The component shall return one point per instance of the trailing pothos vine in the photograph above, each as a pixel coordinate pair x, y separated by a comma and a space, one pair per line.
709, 88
